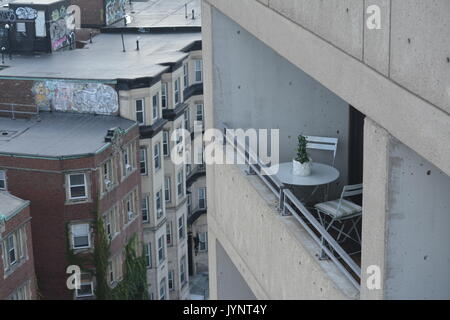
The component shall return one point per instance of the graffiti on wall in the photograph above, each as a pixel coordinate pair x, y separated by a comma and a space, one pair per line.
75, 97
7, 15
26, 13
114, 10
61, 29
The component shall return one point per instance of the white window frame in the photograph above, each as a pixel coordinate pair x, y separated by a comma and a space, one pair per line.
176, 92
199, 116
85, 282
180, 181
186, 74
162, 289
169, 233
88, 236
166, 143
171, 279
198, 70
77, 185
3, 179
167, 189
187, 119
164, 95
155, 107
159, 199
181, 228
148, 255
143, 152
161, 254
205, 242
140, 111
157, 156
183, 271
202, 191
145, 207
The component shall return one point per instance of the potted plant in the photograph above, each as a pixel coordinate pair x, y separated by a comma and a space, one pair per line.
302, 162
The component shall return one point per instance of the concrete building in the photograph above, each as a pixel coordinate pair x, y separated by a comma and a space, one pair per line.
375, 76
77, 170
17, 277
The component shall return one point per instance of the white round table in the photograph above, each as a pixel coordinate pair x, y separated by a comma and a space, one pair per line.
321, 174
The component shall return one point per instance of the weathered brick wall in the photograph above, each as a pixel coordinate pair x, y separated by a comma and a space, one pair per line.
92, 12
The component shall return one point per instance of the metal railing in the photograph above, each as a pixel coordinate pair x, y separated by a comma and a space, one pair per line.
15, 108
289, 204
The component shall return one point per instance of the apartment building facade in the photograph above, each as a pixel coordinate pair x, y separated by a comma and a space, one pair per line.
372, 74
77, 170
17, 277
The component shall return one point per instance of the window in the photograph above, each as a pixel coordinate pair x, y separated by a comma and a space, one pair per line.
186, 74
161, 253
115, 269
86, 287
164, 102
171, 280
180, 182
203, 241
166, 143
189, 203
144, 208
188, 169
198, 70
202, 198
155, 103
186, 120
162, 289
140, 111
199, 112
181, 232
130, 206
111, 224
167, 187
129, 159
169, 233
22, 293
77, 186
148, 255
107, 175
14, 248
11, 249
143, 161
183, 278
157, 156
2, 180
81, 238
158, 202
177, 94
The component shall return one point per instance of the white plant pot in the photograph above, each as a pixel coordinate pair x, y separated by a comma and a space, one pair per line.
301, 169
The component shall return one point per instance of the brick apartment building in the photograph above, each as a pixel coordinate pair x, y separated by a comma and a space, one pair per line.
74, 168
17, 277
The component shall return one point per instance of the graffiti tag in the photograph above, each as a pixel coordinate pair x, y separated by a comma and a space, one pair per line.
7, 15
26, 13
115, 10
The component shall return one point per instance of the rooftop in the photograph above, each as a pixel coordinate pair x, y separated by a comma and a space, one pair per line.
163, 13
10, 205
36, 2
104, 59
58, 134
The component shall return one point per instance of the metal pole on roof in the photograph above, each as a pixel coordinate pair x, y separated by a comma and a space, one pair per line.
123, 43
185, 10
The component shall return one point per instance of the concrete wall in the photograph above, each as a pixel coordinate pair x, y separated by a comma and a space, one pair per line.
254, 87
418, 256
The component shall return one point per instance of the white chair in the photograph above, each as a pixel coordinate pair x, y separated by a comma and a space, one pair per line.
342, 212
323, 143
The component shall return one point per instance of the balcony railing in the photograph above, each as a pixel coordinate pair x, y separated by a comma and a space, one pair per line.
14, 109
289, 204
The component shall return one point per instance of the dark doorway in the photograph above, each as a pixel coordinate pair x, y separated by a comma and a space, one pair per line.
356, 146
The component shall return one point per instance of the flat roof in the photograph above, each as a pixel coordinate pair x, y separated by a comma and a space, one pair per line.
163, 13
11, 205
104, 59
58, 134
31, 2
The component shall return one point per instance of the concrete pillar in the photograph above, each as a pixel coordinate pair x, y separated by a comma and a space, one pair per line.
375, 200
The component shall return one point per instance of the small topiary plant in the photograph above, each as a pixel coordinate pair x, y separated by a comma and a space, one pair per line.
302, 153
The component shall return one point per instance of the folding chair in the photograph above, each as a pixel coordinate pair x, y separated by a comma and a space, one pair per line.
323, 143
342, 212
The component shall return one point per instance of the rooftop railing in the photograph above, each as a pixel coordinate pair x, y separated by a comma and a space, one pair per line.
289, 205
18, 109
